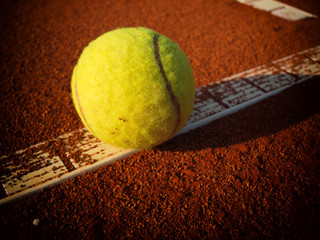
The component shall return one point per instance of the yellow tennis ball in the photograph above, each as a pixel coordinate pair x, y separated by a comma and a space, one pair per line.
133, 88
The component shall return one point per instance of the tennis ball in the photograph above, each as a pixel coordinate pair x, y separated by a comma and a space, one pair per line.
133, 88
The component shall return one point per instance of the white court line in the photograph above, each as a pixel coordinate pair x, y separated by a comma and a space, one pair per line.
279, 9
27, 171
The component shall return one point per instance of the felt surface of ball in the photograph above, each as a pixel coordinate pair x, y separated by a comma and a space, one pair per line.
133, 88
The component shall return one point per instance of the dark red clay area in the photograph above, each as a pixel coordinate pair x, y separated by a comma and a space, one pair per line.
251, 175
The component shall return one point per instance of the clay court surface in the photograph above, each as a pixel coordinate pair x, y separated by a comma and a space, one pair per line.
254, 174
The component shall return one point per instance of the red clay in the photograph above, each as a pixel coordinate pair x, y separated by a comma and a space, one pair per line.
253, 174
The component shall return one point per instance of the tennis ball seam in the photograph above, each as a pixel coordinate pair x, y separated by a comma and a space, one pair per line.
164, 70
167, 82
165, 78
79, 104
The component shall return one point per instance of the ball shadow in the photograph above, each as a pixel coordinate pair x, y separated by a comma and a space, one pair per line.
261, 119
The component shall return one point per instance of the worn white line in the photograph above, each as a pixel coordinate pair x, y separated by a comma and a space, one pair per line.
279, 9
63, 178
29, 170
235, 109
